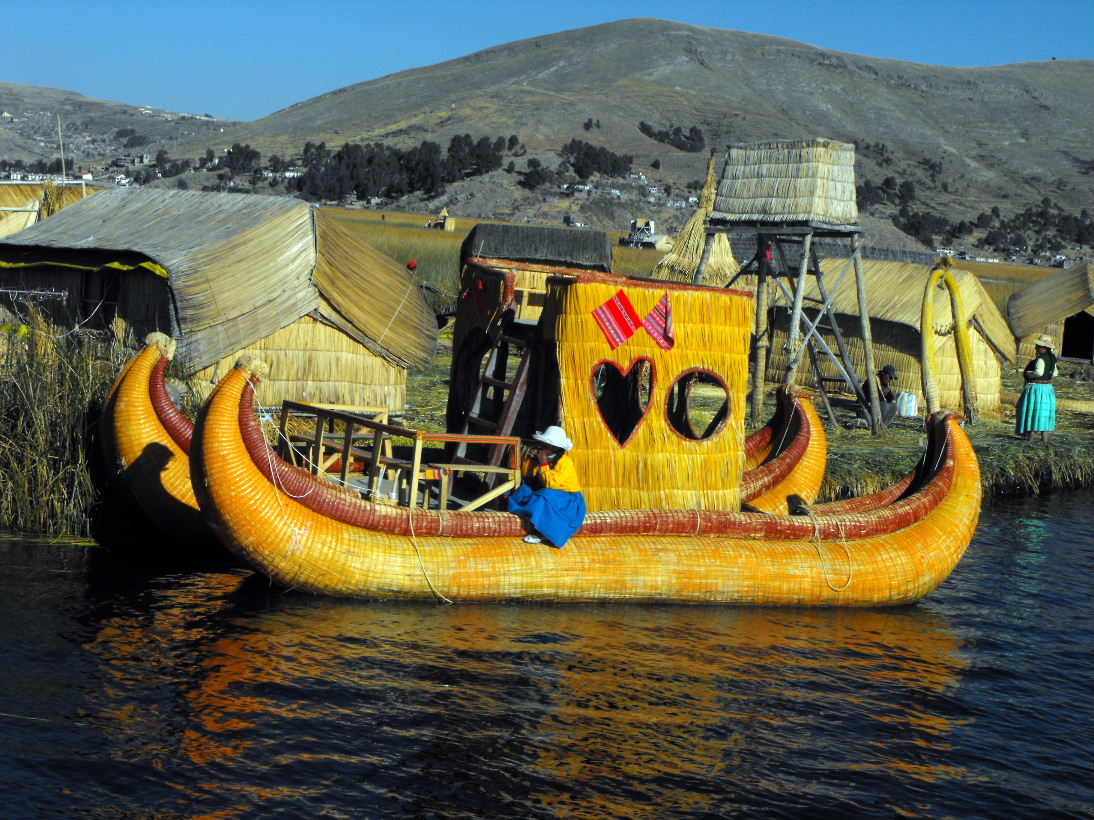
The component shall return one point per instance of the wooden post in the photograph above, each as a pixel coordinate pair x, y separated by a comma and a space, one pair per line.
867, 337
794, 342
708, 245
819, 378
760, 343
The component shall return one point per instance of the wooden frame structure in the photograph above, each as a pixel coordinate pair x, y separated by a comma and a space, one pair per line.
790, 193
770, 264
356, 442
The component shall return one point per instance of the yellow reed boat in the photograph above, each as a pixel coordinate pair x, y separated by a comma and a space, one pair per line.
668, 520
146, 442
146, 439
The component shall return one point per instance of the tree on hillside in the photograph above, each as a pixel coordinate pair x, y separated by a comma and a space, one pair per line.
586, 160
242, 159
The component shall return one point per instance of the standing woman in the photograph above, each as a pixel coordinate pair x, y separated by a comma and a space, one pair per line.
1036, 408
550, 499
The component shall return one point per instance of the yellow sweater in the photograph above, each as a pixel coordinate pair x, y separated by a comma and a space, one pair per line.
563, 476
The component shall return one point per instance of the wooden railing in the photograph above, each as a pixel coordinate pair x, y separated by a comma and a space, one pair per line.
359, 441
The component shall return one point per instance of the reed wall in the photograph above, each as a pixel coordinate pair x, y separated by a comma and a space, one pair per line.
313, 362
657, 466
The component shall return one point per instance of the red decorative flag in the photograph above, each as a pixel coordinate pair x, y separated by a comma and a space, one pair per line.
659, 324
618, 319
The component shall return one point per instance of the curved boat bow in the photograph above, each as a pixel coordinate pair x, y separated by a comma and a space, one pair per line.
146, 438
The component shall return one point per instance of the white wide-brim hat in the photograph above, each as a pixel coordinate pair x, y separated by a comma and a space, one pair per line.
1044, 341
555, 436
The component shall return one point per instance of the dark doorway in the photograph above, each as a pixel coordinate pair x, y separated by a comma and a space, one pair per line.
1078, 340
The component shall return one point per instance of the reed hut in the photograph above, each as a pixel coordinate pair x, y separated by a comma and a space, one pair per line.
23, 204
895, 301
681, 263
1061, 306
226, 275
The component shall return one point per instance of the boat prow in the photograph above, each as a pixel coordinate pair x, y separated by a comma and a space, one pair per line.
312, 537
146, 440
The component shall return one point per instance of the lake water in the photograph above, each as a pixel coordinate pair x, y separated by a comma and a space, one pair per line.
195, 692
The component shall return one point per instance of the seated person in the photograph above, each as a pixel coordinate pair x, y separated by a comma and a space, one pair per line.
885, 393
550, 499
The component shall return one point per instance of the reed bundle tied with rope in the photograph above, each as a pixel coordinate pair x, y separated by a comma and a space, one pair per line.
680, 264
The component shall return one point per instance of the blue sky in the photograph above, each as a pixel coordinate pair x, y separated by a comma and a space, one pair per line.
249, 58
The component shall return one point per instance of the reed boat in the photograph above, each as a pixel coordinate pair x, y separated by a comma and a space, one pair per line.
146, 440
667, 522
146, 437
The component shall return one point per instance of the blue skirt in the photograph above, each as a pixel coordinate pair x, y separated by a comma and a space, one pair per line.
555, 514
1036, 409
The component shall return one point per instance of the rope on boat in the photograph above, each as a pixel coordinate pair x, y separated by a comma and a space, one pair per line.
266, 415
421, 561
816, 542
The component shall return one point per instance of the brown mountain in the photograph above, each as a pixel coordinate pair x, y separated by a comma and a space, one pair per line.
968, 138
91, 129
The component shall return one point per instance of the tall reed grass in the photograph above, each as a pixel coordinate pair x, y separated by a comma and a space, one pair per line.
52, 386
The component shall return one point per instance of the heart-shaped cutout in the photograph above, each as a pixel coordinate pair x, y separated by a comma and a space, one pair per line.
623, 397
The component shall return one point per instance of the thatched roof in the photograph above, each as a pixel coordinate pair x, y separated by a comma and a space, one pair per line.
1032, 309
240, 267
807, 181
569, 247
28, 199
894, 291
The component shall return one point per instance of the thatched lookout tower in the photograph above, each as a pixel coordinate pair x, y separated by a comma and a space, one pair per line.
789, 193
227, 274
1061, 306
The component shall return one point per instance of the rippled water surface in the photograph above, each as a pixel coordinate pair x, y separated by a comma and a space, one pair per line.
169, 692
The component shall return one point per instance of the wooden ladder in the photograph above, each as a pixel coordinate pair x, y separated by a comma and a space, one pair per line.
496, 387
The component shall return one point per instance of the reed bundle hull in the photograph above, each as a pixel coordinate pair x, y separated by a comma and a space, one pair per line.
147, 439
890, 555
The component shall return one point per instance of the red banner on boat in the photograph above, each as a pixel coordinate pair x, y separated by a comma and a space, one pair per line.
618, 319
658, 324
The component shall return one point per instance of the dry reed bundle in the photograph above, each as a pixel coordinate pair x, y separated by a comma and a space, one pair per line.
788, 181
657, 466
680, 264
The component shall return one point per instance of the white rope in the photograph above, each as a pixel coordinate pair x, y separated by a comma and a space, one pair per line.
393, 315
817, 542
421, 561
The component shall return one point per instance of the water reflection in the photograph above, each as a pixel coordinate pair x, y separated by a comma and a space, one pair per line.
587, 711
202, 692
